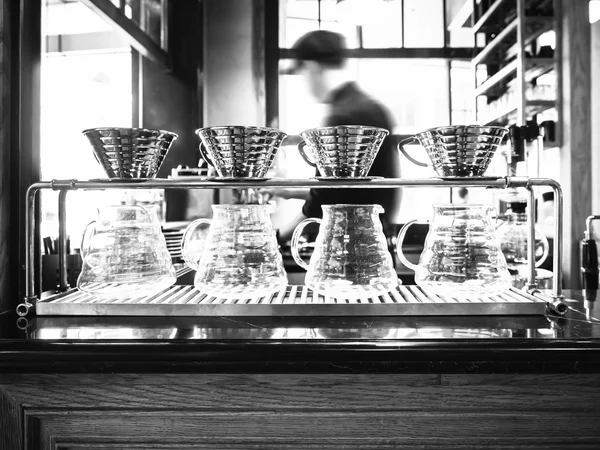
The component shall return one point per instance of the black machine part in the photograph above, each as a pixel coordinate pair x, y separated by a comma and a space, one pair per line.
589, 264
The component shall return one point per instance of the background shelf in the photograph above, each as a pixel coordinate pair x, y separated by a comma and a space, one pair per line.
508, 114
515, 61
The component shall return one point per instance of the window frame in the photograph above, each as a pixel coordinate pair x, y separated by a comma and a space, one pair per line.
272, 63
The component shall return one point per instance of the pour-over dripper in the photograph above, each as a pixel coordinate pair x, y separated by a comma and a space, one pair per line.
342, 151
457, 151
130, 152
240, 151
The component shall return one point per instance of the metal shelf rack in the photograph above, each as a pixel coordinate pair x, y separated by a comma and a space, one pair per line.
553, 302
505, 54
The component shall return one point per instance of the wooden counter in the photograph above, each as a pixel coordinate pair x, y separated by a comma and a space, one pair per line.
271, 383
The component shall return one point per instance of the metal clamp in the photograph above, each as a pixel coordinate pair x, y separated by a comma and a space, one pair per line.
588, 226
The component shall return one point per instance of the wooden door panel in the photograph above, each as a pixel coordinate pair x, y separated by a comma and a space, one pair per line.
305, 391
308, 411
46, 429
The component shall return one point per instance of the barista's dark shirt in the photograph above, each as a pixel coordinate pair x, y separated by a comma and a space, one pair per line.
352, 106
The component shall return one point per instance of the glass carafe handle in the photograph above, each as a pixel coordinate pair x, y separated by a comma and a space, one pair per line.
88, 233
296, 237
400, 241
305, 155
187, 235
410, 140
204, 155
545, 248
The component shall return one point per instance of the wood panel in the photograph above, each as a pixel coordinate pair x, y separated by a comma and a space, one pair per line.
575, 153
23, 147
10, 421
301, 411
386, 391
5, 130
435, 429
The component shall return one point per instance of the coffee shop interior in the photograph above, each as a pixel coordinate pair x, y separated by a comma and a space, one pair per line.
147, 285
182, 65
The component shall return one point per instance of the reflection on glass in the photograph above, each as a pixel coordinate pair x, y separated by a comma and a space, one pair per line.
232, 333
463, 333
86, 333
354, 333
107, 332
307, 329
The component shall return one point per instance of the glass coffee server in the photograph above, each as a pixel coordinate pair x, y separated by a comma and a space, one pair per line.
289, 300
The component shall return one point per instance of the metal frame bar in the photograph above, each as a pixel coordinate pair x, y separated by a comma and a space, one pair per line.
486, 16
137, 37
206, 183
521, 65
293, 301
588, 225
454, 53
531, 284
62, 241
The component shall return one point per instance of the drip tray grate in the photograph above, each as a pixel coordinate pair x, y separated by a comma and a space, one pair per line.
292, 301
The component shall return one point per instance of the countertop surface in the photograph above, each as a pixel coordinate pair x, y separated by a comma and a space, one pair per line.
427, 344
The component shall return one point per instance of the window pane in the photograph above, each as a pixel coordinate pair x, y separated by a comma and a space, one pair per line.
387, 31
462, 37
308, 9
297, 109
79, 90
71, 18
148, 15
152, 19
300, 17
458, 16
295, 28
415, 90
424, 23
347, 30
372, 12
462, 92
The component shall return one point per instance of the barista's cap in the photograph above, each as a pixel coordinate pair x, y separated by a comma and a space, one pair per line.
321, 46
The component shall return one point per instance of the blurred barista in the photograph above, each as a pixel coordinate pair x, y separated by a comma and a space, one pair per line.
320, 60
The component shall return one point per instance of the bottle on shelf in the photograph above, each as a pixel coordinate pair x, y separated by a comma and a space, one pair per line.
513, 234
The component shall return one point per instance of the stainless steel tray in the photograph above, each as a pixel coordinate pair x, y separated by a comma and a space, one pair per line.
293, 301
